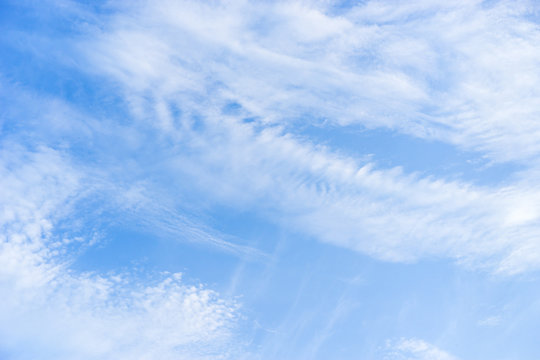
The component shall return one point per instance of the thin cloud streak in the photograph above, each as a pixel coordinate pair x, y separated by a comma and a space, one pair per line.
416, 349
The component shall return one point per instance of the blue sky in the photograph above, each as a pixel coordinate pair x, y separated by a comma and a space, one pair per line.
269, 180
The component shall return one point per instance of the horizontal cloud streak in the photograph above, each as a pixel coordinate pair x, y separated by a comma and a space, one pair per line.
415, 349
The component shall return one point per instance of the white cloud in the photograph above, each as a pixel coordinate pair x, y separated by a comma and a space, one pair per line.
420, 68
55, 312
463, 73
199, 58
416, 349
490, 321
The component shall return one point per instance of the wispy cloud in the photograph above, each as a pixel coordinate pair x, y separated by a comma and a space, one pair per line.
209, 106
416, 349
229, 91
462, 73
65, 314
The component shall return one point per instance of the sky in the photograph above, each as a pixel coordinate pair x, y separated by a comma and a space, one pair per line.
261, 180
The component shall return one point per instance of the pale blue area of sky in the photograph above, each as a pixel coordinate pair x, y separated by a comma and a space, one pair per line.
303, 298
